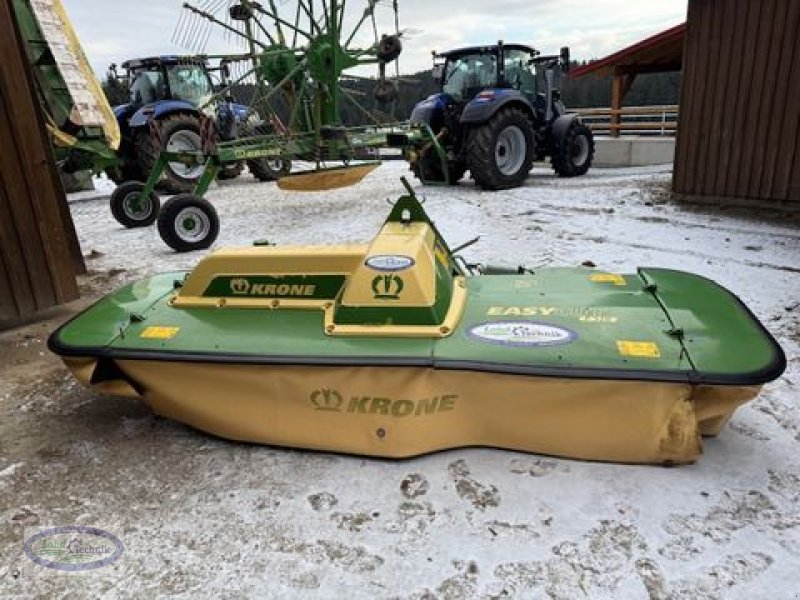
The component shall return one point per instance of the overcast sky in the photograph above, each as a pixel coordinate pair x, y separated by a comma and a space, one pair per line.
112, 31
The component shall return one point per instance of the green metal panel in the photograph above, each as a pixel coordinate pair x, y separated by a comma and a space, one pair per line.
720, 334
101, 324
255, 331
598, 315
590, 316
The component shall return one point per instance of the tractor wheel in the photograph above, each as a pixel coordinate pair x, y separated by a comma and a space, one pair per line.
269, 169
457, 171
188, 222
500, 153
266, 169
179, 132
574, 155
231, 171
131, 209
129, 170
428, 169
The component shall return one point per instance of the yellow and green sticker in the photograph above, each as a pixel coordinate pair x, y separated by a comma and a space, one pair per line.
160, 333
638, 349
609, 278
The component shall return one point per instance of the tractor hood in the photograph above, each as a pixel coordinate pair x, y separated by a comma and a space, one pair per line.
160, 109
425, 112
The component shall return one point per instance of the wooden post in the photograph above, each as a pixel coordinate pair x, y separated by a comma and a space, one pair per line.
616, 104
620, 86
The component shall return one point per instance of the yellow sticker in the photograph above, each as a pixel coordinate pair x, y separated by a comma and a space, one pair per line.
160, 333
609, 278
441, 255
639, 349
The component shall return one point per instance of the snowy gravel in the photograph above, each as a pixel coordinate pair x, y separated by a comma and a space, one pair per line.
202, 517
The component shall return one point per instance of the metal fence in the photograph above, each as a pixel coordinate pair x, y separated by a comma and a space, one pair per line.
632, 120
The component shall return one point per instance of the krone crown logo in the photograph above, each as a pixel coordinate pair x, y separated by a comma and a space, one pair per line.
240, 286
327, 399
387, 287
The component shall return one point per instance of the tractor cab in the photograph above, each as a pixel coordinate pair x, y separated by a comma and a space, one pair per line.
476, 74
468, 72
169, 78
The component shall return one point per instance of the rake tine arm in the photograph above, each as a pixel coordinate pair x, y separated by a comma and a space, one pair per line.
278, 28
280, 21
222, 24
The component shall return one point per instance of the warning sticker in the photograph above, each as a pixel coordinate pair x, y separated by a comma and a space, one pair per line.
609, 278
160, 333
638, 349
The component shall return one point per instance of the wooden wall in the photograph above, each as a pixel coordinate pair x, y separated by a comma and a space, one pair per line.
39, 255
739, 128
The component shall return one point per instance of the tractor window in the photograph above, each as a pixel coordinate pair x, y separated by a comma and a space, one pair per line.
518, 72
190, 83
468, 75
147, 87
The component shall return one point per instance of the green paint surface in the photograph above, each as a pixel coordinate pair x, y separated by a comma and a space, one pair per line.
696, 325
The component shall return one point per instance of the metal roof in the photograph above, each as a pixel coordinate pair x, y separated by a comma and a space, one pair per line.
658, 53
485, 49
153, 61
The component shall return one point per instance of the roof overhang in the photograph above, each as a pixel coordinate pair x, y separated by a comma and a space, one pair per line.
656, 54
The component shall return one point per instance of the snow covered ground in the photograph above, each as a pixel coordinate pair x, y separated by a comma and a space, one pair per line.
202, 517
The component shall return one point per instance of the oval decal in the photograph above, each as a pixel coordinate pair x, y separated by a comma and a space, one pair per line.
74, 548
522, 333
390, 263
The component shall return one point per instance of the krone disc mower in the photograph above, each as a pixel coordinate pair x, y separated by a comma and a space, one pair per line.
401, 347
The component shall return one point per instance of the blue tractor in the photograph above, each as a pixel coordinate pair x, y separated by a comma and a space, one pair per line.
169, 95
499, 110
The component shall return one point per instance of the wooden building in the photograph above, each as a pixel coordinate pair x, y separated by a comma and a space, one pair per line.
39, 252
739, 125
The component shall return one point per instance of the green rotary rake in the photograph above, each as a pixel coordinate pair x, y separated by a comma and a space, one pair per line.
294, 61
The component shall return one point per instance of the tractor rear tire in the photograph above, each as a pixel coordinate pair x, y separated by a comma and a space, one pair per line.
266, 169
127, 170
457, 171
230, 171
500, 152
130, 209
179, 131
188, 222
573, 157
428, 169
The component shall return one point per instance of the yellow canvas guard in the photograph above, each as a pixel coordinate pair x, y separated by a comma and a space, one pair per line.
403, 412
326, 179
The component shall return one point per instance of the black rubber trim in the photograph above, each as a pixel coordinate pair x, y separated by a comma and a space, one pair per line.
691, 377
